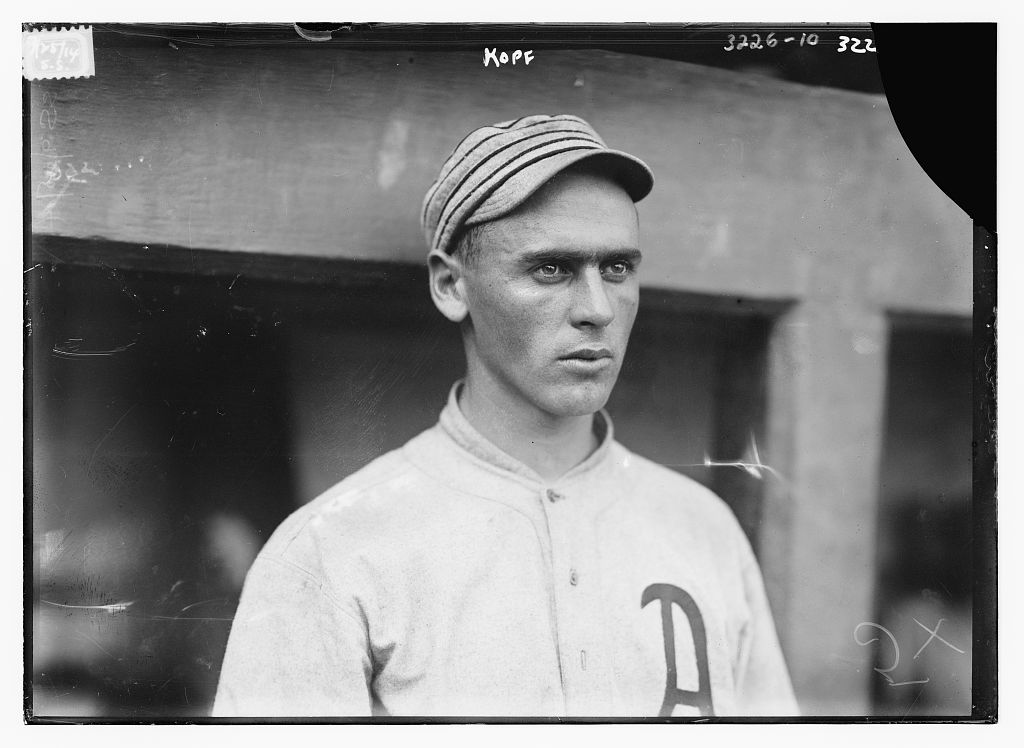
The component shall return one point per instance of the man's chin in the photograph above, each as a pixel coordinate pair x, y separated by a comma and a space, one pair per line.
578, 400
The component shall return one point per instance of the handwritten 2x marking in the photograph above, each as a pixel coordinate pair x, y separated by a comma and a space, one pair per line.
884, 672
934, 635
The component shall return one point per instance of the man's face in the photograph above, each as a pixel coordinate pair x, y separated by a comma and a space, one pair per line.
552, 296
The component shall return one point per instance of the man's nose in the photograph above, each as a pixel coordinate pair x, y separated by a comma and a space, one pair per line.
591, 305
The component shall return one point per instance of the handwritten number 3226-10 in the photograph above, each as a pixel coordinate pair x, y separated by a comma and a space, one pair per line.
754, 41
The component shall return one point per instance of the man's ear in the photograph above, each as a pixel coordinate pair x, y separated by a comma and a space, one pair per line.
447, 285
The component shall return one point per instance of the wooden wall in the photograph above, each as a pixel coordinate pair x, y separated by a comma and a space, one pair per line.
764, 188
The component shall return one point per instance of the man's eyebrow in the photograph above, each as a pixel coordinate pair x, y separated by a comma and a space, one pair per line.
568, 254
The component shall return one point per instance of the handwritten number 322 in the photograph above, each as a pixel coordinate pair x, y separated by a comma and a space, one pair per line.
845, 45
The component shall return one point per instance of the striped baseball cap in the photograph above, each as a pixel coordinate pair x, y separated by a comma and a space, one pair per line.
496, 168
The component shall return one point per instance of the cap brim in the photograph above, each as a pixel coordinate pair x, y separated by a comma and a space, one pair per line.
632, 174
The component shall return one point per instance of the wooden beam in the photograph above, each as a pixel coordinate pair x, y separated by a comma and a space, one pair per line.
825, 424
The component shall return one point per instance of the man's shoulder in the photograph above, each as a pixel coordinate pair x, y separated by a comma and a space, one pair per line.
356, 508
380, 477
662, 489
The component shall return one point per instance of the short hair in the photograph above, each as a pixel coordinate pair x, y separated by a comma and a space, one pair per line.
469, 243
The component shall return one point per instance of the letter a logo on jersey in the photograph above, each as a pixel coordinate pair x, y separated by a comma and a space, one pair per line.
701, 698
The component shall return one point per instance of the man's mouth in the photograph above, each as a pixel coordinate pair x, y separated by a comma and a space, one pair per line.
587, 354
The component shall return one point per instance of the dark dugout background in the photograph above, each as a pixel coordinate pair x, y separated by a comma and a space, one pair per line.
184, 396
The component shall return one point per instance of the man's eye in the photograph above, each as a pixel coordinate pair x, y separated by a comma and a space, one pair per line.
617, 269
550, 270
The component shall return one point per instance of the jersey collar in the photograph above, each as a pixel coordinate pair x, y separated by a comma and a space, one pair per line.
459, 429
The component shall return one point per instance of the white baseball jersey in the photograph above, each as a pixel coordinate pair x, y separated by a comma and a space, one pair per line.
446, 578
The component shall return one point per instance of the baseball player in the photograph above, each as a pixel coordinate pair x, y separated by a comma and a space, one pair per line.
515, 560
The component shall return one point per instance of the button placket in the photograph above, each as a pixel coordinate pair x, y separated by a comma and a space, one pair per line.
586, 653
554, 497
579, 647
562, 532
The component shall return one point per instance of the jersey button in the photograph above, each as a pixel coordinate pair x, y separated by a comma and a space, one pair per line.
574, 578
553, 495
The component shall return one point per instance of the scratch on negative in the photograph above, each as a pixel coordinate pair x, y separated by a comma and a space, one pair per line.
203, 602
111, 608
47, 211
98, 645
107, 436
914, 703
751, 463
87, 354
